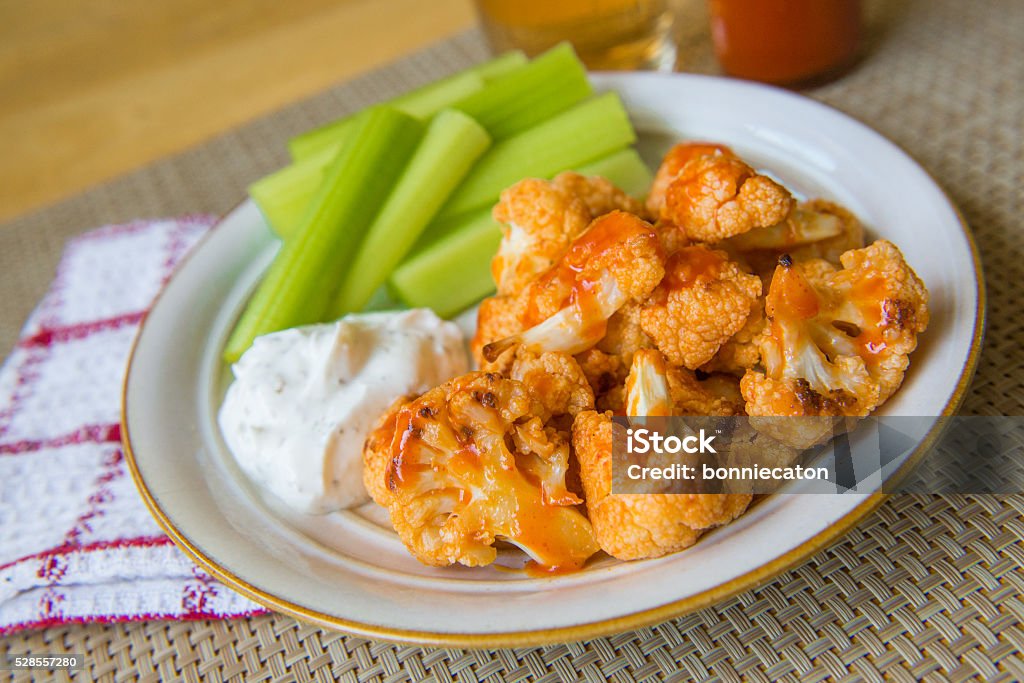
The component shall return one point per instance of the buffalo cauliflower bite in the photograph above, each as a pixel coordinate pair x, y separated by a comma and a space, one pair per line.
616, 260
625, 335
644, 525
539, 221
555, 379
838, 341
704, 300
471, 462
377, 453
606, 374
718, 196
673, 163
740, 352
814, 229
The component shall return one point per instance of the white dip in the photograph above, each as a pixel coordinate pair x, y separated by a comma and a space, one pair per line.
304, 400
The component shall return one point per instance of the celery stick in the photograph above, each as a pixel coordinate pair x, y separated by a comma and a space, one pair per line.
515, 98
454, 273
304, 276
500, 65
452, 143
625, 169
284, 195
586, 132
523, 98
421, 103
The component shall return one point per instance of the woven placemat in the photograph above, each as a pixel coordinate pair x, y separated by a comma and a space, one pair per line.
925, 588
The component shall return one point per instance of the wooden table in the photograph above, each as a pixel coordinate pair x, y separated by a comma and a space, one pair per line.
90, 89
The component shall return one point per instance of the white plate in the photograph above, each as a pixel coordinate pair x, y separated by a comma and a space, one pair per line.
345, 571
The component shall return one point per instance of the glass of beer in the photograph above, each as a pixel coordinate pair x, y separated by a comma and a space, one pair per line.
607, 34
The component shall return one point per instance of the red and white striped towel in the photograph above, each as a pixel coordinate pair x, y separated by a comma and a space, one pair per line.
76, 541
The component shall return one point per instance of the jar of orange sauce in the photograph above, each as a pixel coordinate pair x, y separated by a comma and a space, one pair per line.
786, 42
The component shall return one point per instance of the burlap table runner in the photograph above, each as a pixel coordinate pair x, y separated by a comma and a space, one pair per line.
926, 588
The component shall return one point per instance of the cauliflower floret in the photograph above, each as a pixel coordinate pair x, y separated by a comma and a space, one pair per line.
885, 299
741, 352
817, 229
673, 163
616, 260
838, 341
539, 220
624, 335
471, 462
717, 196
598, 194
555, 379
606, 374
377, 453
641, 525
703, 301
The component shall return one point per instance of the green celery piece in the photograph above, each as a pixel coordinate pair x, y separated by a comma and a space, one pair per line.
625, 169
421, 103
454, 273
283, 196
515, 98
305, 274
500, 65
582, 134
450, 146
525, 97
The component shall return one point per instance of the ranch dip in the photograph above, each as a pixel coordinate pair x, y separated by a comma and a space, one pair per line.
304, 400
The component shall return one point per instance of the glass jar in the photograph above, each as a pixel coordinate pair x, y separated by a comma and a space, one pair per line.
786, 42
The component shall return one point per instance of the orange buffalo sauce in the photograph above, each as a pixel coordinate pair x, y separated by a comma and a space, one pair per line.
786, 42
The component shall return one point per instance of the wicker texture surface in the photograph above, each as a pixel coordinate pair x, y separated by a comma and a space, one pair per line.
925, 588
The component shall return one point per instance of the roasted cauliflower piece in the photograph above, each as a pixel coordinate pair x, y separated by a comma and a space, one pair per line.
838, 341
644, 525
624, 335
539, 220
472, 461
716, 196
673, 163
555, 379
606, 374
813, 229
637, 526
740, 352
704, 299
377, 453
617, 259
